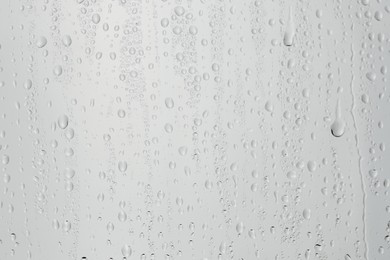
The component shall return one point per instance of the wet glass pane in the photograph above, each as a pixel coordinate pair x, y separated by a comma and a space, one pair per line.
194, 129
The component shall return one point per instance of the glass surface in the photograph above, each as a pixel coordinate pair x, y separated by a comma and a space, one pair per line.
194, 129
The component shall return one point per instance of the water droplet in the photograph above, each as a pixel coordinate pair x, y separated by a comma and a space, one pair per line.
66, 226
95, 18
292, 175
168, 128
290, 30
306, 213
57, 70
268, 106
122, 166
122, 216
371, 76
164, 22
28, 84
240, 227
63, 121
121, 113
69, 173
169, 103
311, 166
183, 150
126, 251
41, 42
67, 40
179, 10
338, 126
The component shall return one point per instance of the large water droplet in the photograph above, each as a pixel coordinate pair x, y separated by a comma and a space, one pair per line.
290, 30
41, 42
95, 18
126, 251
67, 40
57, 70
63, 121
338, 126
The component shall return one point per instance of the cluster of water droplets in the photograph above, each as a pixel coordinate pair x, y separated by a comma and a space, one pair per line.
172, 129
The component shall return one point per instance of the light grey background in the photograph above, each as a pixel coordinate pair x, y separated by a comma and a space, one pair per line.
197, 129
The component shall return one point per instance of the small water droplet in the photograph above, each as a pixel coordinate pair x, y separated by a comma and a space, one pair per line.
57, 70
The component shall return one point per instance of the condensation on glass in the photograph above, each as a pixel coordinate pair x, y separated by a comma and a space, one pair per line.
194, 129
